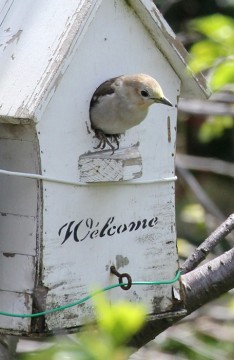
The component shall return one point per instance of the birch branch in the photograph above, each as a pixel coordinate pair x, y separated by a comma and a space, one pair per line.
200, 286
209, 281
205, 248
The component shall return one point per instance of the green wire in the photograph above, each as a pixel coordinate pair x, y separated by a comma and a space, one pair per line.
88, 297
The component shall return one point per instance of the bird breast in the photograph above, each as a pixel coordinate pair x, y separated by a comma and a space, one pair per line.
114, 116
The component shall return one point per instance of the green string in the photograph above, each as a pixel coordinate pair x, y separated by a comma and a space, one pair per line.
88, 297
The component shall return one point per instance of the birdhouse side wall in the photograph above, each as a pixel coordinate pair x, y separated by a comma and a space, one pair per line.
19, 224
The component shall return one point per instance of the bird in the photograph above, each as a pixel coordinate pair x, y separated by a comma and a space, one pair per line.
121, 103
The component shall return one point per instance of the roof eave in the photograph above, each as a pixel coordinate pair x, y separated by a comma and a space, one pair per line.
191, 85
28, 104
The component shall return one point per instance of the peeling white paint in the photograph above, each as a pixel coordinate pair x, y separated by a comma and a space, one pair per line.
69, 235
29, 81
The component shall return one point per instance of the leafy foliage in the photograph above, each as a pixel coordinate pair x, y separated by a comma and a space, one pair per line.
104, 341
214, 127
216, 50
214, 54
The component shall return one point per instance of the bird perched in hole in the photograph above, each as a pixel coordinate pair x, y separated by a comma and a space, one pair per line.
121, 103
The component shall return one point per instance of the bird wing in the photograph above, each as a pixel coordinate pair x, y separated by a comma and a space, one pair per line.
104, 89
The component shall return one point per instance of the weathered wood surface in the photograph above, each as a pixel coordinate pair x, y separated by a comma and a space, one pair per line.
18, 225
67, 235
57, 31
102, 166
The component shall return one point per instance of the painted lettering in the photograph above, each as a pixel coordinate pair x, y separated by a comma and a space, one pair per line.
109, 221
153, 222
121, 228
79, 229
89, 229
68, 232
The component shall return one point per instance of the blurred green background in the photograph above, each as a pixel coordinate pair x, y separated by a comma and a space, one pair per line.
205, 142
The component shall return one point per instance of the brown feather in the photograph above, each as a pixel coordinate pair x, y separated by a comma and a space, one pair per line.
104, 89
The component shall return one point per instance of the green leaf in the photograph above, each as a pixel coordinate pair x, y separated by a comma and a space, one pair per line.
217, 27
204, 53
223, 74
215, 127
120, 320
216, 51
193, 213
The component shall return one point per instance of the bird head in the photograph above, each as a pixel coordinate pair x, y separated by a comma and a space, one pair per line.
145, 90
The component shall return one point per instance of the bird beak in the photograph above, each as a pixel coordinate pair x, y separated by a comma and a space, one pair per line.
165, 101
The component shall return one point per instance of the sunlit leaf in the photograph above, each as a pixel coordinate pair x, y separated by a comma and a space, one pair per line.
105, 341
215, 127
231, 305
217, 27
216, 51
121, 320
223, 74
193, 213
184, 248
204, 54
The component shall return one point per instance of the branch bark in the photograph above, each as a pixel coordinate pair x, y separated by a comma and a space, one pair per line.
203, 250
209, 281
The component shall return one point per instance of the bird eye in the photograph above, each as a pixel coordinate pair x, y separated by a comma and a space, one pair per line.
144, 93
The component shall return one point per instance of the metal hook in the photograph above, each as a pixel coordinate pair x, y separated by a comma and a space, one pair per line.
121, 277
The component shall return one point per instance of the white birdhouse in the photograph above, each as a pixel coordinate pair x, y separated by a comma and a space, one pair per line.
71, 216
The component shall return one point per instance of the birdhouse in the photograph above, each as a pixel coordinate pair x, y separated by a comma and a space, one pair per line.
75, 218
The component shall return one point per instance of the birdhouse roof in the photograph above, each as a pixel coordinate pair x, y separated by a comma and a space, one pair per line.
38, 39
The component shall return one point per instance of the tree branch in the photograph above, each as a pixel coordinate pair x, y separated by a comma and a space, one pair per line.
209, 281
200, 286
203, 250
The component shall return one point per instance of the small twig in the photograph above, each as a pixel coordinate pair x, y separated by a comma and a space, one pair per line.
224, 96
203, 250
198, 191
205, 164
201, 107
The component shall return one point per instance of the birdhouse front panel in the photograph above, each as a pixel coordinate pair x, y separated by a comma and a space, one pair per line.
123, 212
90, 207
